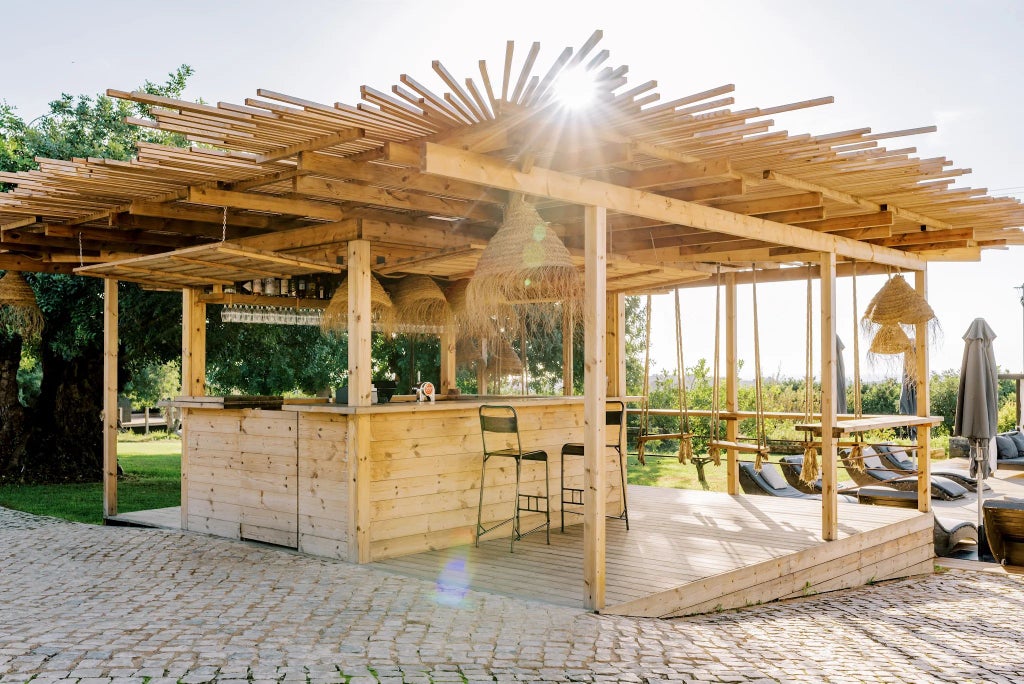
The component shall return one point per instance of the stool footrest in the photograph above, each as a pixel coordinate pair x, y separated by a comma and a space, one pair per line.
575, 496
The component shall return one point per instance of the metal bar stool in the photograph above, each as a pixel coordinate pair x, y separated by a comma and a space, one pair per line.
502, 421
612, 416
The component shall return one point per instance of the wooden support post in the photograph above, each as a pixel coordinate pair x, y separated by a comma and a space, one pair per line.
357, 451
193, 344
109, 398
829, 473
359, 366
615, 359
448, 381
193, 375
567, 359
615, 345
594, 386
924, 432
732, 400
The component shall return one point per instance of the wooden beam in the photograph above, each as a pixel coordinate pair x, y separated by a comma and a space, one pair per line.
803, 200
264, 202
708, 191
924, 432
20, 223
829, 472
830, 225
846, 198
395, 199
615, 344
678, 172
402, 177
545, 183
359, 361
110, 321
308, 236
927, 238
330, 140
33, 265
594, 475
177, 211
113, 235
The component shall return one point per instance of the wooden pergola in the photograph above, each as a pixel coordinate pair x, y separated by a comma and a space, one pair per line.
647, 194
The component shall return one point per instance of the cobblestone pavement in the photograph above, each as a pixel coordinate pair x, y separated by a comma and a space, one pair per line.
118, 605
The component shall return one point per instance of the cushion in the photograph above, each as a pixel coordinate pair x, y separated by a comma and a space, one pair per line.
773, 477
1005, 447
1018, 441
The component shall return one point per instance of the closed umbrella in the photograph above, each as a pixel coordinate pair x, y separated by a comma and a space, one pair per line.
840, 377
908, 393
977, 407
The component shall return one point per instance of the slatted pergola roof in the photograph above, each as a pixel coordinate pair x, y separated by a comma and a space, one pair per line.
423, 172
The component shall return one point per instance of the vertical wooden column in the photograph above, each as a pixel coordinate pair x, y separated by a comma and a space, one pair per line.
110, 398
615, 361
732, 396
448, 381
193, 375
359, 371
594, 385
924, 433
829, 474
193, 344
567, 359
615, 345
359, 366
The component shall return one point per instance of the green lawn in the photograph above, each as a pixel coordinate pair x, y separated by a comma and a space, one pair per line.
152, 479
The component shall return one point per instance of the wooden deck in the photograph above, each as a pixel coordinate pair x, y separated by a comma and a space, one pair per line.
691, 551
163, 518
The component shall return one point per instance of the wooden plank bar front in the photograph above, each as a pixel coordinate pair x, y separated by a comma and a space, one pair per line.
367, 483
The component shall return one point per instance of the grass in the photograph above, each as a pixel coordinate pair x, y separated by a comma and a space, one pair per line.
152, 479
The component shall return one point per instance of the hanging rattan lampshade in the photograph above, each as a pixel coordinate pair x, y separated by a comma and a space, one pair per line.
503, 317
335, 318
502, 359
19, 310
523, 263
890, 339
897, 302
420, 305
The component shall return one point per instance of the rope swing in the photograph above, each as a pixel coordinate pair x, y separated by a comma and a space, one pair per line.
811, 469
761, 432
685, 436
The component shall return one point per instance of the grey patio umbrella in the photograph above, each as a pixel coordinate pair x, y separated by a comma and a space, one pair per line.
977, 408
840, 377
908, 395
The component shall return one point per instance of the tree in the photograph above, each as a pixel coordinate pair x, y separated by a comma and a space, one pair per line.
59, 436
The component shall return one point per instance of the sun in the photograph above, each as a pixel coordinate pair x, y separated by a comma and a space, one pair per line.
575, 89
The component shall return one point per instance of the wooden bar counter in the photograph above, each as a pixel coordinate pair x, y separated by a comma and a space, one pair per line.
367, 483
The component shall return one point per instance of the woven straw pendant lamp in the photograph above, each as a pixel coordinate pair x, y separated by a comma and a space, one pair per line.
420, 305
19, 311
898, 302
335, 318
524, 263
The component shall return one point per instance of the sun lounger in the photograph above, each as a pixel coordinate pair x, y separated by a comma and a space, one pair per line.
792, 467
874, 472
1004, 529
895, 457
947, 534
770, 482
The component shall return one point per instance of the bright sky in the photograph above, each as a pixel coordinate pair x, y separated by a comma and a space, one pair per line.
890, 66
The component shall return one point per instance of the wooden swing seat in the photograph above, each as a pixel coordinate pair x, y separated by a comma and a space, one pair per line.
743, 447
858, 425
643, 439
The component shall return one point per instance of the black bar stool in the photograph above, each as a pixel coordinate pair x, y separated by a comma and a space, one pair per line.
612, 416
503, 421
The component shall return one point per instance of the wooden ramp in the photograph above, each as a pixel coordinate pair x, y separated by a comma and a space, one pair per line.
163, 518
691, 551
